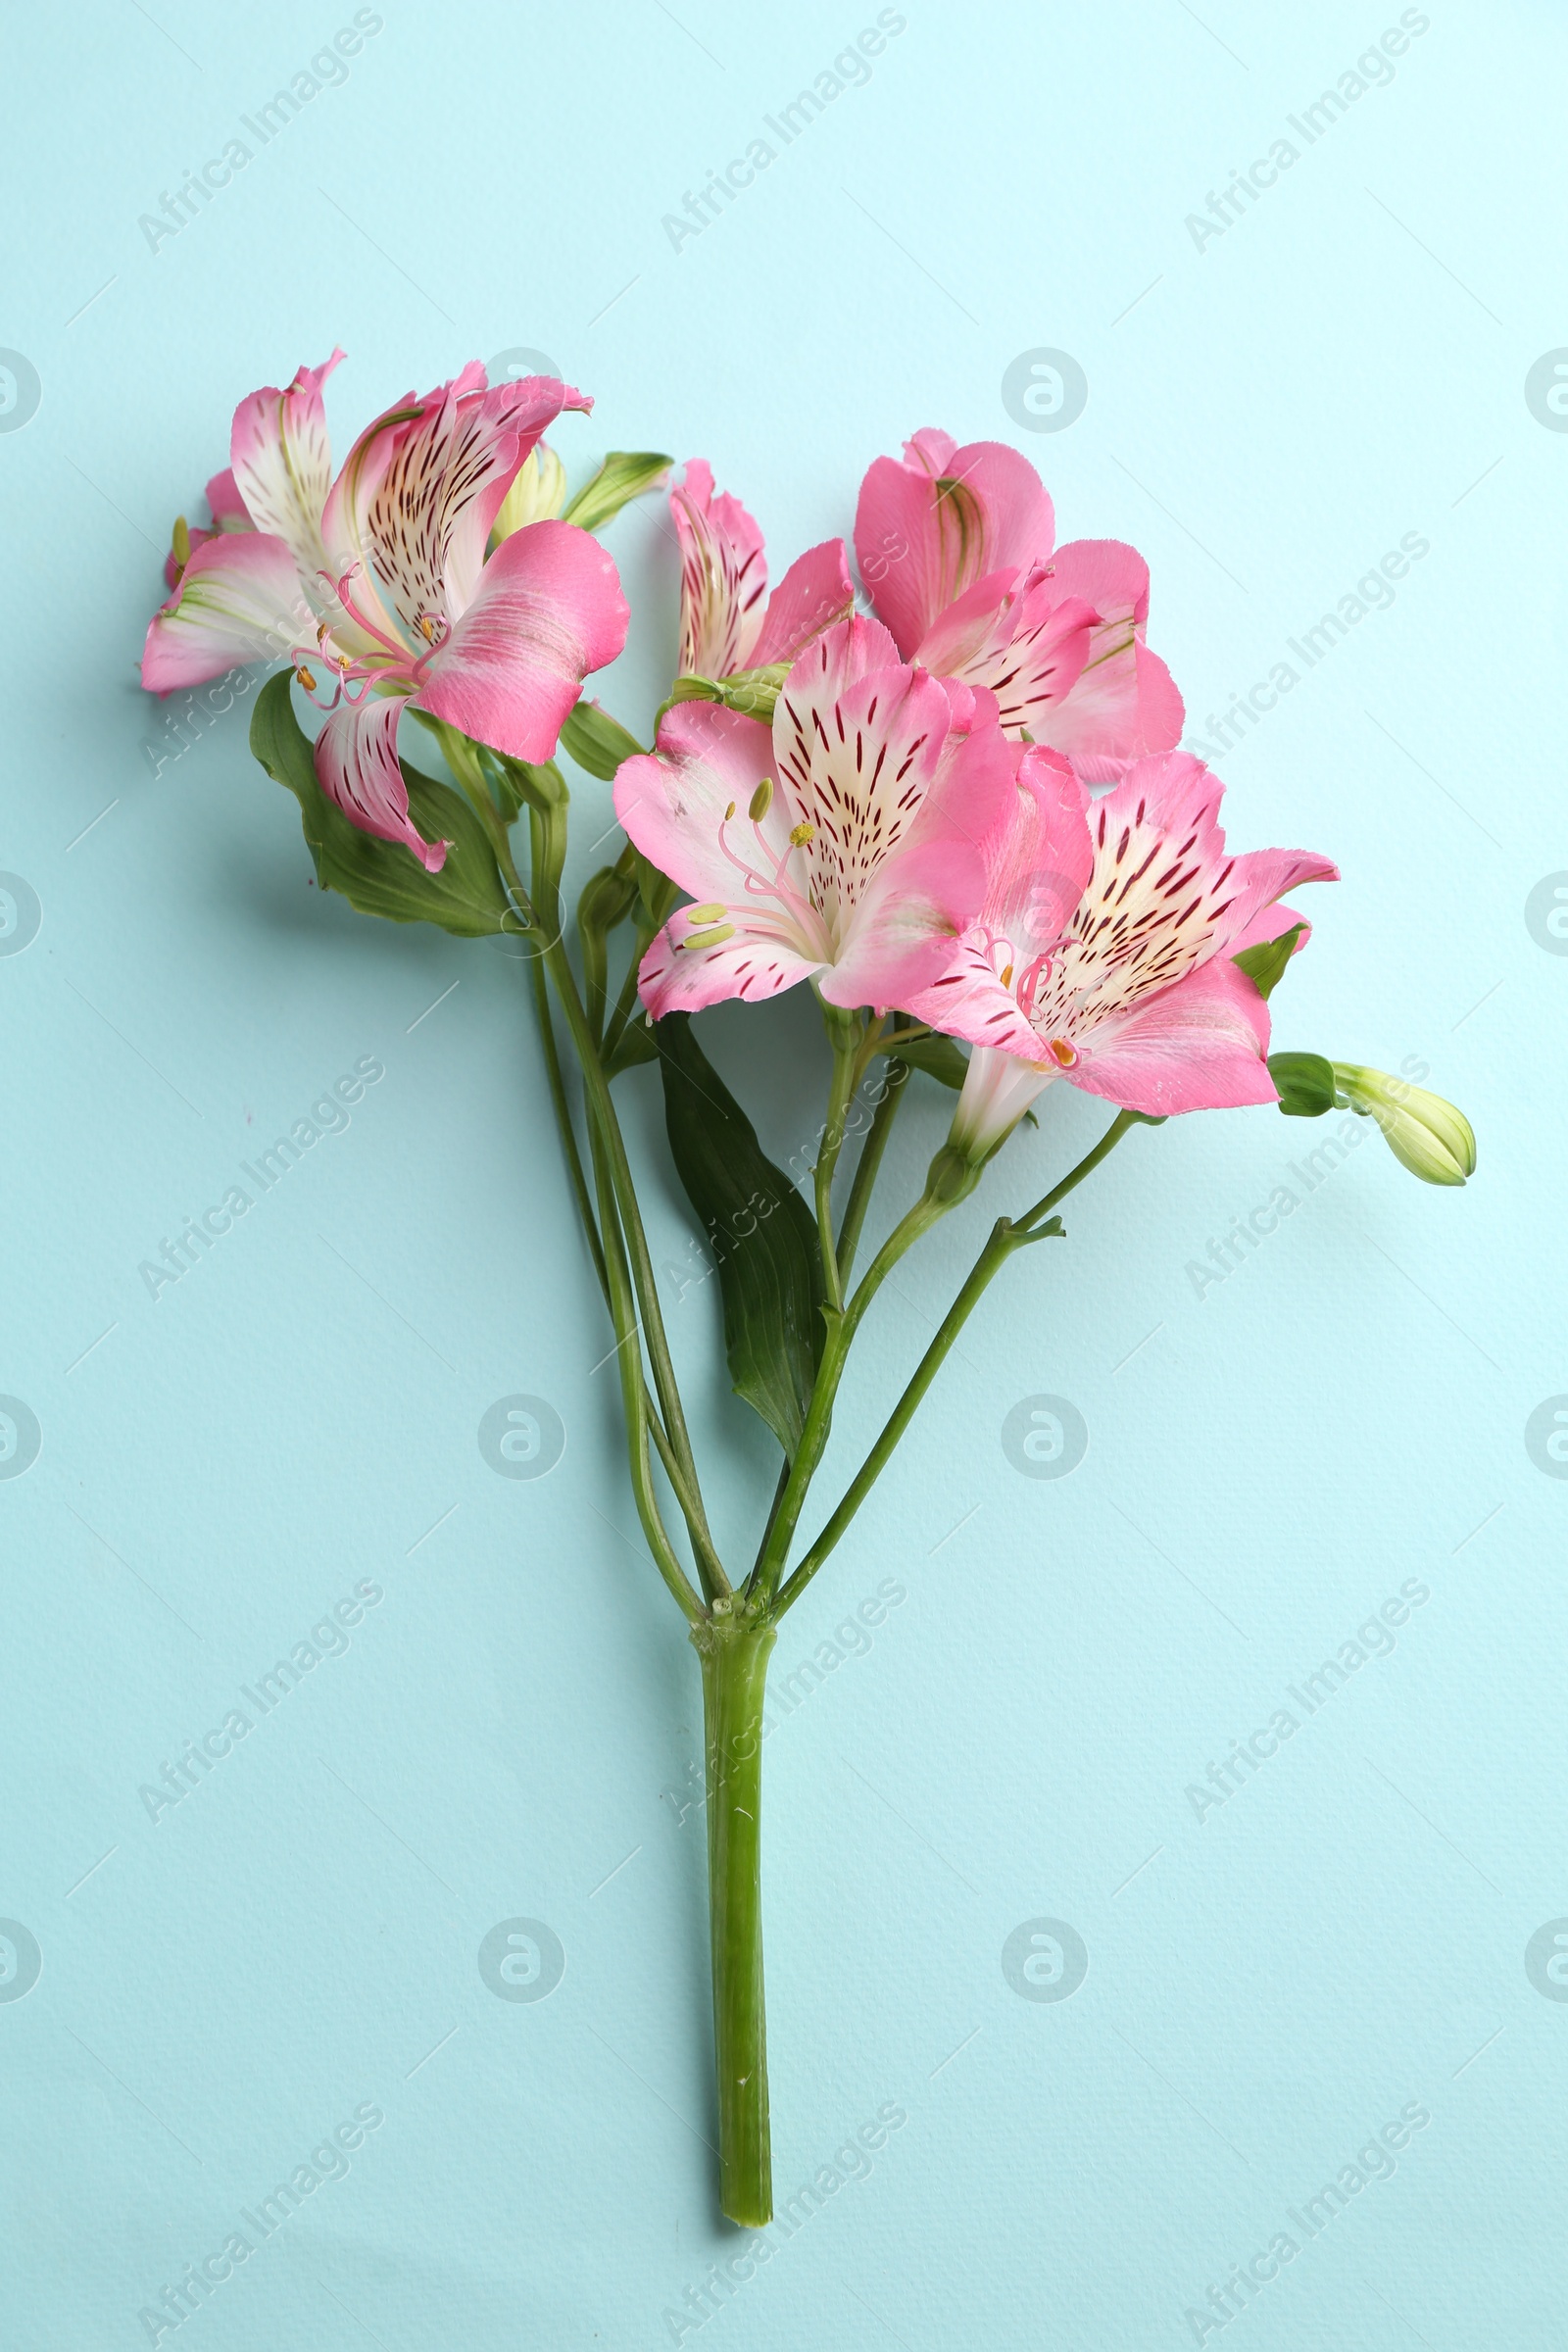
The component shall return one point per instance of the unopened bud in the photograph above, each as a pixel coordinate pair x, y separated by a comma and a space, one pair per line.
1425, 1133
537, 494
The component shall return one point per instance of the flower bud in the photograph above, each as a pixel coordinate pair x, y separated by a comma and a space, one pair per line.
537, 495
1426, 1134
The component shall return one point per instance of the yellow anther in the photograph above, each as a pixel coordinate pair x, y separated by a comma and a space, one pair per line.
427, 628
802, 833
181, 541
1063, 1053
304, 678
714, 938
729, 812
761, 801
706, 914
1007, 975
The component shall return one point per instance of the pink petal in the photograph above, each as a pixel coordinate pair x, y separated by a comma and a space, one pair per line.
548, 611
724, 576
357, 768
281, 462
673, 802
1271, 923
1124, 706
907, 923
1199, 1046
1016, 635
238, 600
1038, 860
928, 528
227, 508
685, 980
859, 748
1261, 877
411, 509
814, 594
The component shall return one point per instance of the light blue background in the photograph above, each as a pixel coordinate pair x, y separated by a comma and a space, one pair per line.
1266, 1463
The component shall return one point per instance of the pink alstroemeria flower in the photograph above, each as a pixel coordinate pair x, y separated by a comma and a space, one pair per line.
956, 550
381, 580
728, 620
841, 846
1103, 953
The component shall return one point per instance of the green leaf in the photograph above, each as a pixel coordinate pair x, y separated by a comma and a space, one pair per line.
624, 476
467, 896
938, 1056
760, 1229
1264, 964
597, 742
1305, 1082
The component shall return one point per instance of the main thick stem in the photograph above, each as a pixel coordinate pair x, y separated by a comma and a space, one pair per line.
734, 1661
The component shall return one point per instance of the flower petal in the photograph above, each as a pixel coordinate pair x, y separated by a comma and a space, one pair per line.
282, 464
814, 594
673, 802
238, 600
411, 509
1199, 1046
684, 980
1124, 705
227, 508
547, 610
1019, 636
928, 528
907, 923
357, 768
859, 756
724, 576
1037, 859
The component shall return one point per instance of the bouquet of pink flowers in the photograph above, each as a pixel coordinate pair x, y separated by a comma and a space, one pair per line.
960, 817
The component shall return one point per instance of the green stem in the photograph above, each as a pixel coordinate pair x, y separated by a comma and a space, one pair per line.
626, 1002
841, 1330
563, 1111
870, 1163
579, 1185
603, 1119
628, 1357
1007, 1236
734, 1661
842, 1038
1119, 1126
1004, 1239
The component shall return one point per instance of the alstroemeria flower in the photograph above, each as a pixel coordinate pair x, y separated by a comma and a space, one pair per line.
956, 550
728, 620
1104, 950
379, 582
841, 846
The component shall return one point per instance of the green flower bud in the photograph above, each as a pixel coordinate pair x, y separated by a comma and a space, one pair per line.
537, 495
1427, 1135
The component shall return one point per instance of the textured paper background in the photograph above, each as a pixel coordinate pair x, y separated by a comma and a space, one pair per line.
1270, 408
